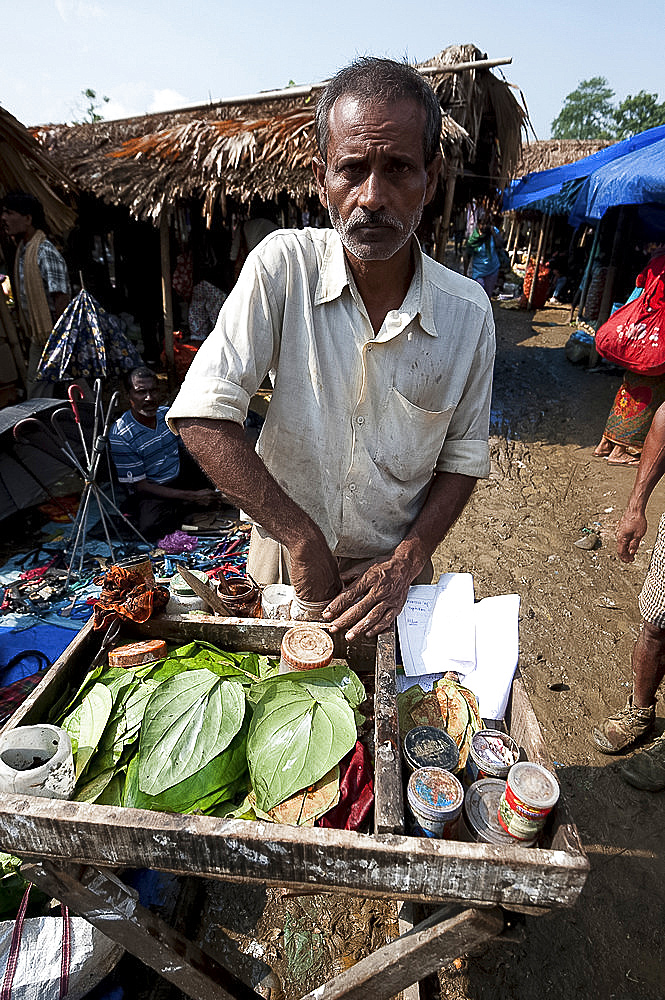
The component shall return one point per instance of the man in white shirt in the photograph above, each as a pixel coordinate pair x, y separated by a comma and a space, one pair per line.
381, 361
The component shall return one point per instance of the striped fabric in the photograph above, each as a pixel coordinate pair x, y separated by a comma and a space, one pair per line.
652, 596
139, 452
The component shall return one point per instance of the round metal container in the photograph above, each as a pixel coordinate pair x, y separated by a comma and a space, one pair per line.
428, 746
530, 794
305, 647
480, 813
435, 798
491, 755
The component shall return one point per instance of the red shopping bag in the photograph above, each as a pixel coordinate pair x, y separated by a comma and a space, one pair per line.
634, 336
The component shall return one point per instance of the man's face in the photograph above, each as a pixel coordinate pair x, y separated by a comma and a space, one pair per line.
14, 223
144, 397
375, 182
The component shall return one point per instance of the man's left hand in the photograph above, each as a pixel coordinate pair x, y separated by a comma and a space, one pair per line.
373, 601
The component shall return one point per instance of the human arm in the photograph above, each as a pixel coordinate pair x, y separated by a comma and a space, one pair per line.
632, 527
371, 603
171, 492
222, 450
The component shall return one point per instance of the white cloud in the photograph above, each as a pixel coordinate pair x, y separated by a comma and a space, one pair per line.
166, 100
80, 10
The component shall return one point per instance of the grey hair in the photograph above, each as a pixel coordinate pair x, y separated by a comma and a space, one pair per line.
371, 78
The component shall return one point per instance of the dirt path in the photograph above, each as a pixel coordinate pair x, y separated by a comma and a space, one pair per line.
578, 623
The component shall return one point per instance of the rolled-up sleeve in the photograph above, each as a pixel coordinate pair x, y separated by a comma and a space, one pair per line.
236, 357
466, 448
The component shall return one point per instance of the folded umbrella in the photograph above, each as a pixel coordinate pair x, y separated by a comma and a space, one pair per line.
86, 342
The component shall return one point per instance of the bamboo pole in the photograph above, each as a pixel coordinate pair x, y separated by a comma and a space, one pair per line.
509, 242
167, 295
451, 180
586, 280
516, 243
308, 89
539, 251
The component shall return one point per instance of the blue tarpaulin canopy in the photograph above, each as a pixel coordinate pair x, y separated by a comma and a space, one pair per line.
638, 178
535, 187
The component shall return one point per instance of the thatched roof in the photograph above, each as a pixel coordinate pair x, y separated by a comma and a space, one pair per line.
474, 96
252, 147
547, 153
25, 166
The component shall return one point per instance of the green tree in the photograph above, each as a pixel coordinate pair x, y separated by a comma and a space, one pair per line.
587, 112
637, 113
89, 108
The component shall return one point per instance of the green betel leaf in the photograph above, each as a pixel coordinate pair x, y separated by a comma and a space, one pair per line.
213, 783
298, 732
87, 723
337, 674
188, 720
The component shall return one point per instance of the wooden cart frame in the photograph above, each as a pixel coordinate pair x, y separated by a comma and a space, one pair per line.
74, 844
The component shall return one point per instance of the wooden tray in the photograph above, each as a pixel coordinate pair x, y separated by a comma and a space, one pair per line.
385, 864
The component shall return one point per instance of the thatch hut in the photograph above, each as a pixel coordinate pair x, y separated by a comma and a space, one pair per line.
25, 166
213, 159
544, 154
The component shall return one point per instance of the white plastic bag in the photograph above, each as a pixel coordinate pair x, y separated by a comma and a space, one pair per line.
37, 975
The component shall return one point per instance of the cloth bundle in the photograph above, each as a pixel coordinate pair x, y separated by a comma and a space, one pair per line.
125, 594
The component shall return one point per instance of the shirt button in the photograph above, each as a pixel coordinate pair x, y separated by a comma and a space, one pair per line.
352, 487
360, 420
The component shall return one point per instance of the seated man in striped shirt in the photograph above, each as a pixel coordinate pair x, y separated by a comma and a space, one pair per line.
162, 477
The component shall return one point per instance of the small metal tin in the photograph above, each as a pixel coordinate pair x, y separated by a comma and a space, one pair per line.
435, 797
483, 762
480, 819
305, 647
530, 794
427, 746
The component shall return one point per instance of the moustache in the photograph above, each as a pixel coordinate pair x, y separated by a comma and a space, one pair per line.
360, 218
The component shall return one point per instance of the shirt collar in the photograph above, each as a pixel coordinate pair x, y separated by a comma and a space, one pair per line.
335, 275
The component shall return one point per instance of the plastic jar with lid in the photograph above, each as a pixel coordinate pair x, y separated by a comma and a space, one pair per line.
305, 647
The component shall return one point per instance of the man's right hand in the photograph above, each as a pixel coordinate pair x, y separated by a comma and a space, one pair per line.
631, 529
201, 497
313, 571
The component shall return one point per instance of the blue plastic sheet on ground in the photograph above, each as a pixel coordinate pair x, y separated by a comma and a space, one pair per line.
49, 640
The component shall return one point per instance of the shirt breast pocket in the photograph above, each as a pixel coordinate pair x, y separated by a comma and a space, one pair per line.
410, 438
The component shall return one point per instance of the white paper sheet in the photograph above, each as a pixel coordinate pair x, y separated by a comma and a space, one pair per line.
450, 634
411, 624
497, 653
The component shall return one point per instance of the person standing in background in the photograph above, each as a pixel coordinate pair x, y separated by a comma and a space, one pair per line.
40, 281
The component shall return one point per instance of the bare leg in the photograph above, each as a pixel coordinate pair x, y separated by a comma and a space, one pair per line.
604, 447
648, 664
621, 456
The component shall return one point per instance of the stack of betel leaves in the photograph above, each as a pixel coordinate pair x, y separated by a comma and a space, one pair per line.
213, 732
448, 706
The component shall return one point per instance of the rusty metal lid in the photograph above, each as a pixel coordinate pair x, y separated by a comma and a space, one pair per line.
305, 647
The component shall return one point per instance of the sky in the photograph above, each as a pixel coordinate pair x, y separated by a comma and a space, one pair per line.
154, 56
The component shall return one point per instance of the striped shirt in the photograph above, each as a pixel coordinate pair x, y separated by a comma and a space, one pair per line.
141, 452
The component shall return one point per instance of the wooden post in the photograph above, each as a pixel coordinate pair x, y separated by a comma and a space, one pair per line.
509, 242
539, 251
608, 291
516, 243
451, 180
428, 947
586, 280
167, 295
